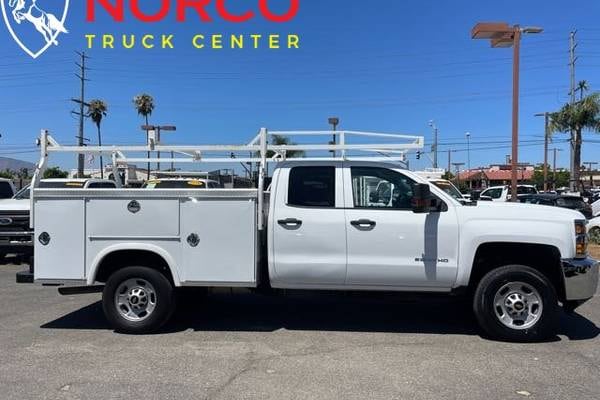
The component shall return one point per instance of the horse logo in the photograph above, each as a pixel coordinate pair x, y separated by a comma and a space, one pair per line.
27, 14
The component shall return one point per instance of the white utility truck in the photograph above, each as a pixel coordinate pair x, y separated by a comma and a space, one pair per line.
323, 224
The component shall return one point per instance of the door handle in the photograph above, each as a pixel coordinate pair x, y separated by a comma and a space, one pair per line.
290, 221
363, 222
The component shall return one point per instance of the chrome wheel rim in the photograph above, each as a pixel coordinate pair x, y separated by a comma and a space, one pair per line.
135, 299
518, 305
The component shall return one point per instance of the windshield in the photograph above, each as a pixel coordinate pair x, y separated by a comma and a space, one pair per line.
180, 184
6, 191
450, 189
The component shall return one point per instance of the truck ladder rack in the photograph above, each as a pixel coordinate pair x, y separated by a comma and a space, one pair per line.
382, 147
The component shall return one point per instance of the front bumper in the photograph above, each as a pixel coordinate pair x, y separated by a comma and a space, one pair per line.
581, 278
16, 242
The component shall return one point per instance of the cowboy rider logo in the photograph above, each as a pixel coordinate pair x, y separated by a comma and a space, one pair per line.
35, 17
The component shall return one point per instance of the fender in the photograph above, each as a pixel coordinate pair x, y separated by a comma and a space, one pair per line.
133, 246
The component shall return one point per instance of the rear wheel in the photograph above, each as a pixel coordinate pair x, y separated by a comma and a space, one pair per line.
516, 303
138, 300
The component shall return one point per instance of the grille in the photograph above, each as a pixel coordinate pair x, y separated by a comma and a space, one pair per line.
14, 221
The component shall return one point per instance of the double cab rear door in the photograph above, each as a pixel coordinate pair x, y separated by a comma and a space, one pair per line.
350, 225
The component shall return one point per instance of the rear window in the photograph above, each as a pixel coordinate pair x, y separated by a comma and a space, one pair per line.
184, 184
570, 202
102, 185
526, 190
62, 185
312, 187
6, 191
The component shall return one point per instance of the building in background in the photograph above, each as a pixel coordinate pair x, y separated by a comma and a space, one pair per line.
495, 175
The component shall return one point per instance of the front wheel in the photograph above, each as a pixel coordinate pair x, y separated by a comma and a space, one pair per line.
516, 303
138, 300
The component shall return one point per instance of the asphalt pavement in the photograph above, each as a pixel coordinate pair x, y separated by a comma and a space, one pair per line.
299, 346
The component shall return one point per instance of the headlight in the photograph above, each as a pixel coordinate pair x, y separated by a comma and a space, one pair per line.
581, 239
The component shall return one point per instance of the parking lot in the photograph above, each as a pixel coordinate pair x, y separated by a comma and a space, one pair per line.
325, 346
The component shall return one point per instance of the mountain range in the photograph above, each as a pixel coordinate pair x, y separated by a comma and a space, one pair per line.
15, 165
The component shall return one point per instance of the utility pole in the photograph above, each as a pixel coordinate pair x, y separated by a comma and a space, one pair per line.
590, 166
449, 161
572, 61
546, 116
434, 148
82, 104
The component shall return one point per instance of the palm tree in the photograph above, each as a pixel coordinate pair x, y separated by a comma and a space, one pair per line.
582, 87
97, 110
584, 114
144, 105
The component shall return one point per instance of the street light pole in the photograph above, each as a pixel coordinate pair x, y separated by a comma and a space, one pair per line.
546, 116
468, 134
515, 111
555, 150
435, 143
503, 35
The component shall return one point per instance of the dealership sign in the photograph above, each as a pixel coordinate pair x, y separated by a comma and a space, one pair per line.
35, 25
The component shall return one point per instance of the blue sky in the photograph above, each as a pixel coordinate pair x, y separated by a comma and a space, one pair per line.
381, 66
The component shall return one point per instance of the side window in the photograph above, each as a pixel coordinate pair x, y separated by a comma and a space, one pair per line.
493, 193
312, 187
381, 188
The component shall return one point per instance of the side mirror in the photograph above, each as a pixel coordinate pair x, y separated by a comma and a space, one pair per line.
421, 200
475, 195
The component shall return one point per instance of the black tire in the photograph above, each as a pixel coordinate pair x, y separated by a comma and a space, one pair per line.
485, 310
163, 298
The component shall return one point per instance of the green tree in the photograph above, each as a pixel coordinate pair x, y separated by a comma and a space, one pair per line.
448, 176
583, 115
7, 174
282, 141
562, 178
97, 110
55, 173
144, 105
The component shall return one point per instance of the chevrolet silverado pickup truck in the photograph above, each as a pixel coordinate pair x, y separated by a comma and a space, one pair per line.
324, 224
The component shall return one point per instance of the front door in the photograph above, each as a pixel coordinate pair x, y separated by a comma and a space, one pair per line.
388, 244
309, 229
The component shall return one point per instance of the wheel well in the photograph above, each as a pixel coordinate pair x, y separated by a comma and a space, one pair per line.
128, 258
543, 258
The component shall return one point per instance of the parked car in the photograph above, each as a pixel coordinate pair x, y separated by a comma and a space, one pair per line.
181, 183
7, 188
15, 233
449, 188
594, 226
318, 228
596, 208
502, 193
572, 202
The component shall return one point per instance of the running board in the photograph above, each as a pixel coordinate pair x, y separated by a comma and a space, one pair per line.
68, 291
